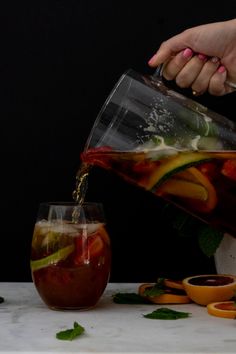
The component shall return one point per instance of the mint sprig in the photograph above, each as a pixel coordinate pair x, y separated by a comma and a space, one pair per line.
70, 334
166, 314
156, 290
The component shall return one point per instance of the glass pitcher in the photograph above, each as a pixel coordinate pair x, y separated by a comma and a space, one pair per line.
168, 144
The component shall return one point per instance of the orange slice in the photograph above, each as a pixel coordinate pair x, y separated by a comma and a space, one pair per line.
194, 187
226, 309
174, 284
167, 298
184, 189
204, 289
210, 203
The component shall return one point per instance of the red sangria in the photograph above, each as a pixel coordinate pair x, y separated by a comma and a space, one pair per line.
201, 182
71, 256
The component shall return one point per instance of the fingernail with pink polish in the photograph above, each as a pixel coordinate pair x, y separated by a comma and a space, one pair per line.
187, 53
152, 60
202, 56
221, 69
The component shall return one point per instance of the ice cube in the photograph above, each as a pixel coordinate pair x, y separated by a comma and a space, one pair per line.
90, 227
64, 228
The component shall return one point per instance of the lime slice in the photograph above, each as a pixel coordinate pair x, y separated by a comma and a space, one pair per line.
54, 258
173, 165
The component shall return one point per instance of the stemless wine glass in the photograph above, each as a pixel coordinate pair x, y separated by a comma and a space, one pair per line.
70, 254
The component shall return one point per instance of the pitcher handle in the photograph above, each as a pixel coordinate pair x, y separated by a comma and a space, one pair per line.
159, 71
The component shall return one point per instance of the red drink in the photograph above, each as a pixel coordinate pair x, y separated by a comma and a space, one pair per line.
202, 183
70, 263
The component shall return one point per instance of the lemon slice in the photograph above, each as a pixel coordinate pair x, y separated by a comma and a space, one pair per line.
54, 258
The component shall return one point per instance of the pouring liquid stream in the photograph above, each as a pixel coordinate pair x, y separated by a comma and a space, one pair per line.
79, 193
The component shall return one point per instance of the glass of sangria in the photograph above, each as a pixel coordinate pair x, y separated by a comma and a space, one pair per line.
168, 144
70, 255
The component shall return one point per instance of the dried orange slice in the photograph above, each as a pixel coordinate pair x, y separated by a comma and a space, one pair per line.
169, 297
204, 289
226, 309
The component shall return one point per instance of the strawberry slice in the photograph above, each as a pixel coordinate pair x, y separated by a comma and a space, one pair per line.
229, 169
95, 245
87, 248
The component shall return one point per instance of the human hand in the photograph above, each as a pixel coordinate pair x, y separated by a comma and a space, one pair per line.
212, 71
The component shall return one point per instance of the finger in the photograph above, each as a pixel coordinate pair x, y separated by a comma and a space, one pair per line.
201, 83
217, 85
162, 55
175, 65
168, 49
190, 71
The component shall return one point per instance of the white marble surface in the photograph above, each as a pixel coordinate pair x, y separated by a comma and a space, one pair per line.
28, 326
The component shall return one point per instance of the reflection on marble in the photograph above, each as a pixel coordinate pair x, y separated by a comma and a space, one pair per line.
28, 326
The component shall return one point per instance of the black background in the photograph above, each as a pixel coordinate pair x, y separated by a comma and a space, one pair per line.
59, 60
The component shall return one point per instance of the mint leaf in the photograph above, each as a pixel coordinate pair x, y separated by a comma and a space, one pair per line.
156, 289
70, 334
209, 240
129, 298
166, 314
